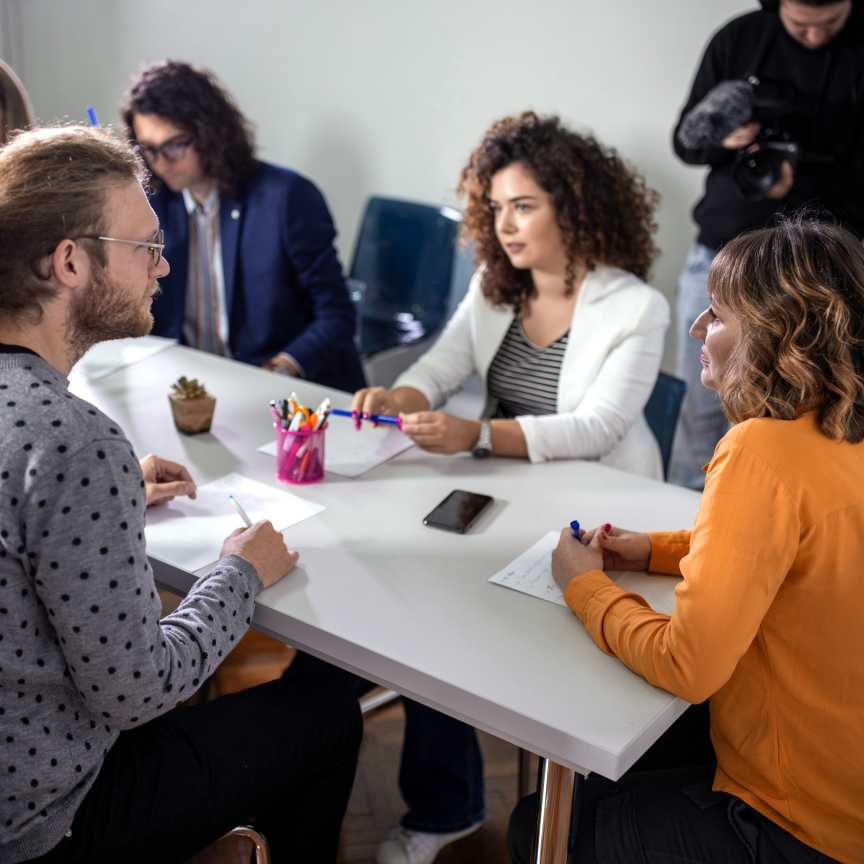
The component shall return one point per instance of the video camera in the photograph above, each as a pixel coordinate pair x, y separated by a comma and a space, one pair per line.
732, 104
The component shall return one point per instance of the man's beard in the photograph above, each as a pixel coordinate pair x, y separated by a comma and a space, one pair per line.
102, 314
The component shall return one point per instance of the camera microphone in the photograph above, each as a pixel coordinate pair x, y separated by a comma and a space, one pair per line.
724, 109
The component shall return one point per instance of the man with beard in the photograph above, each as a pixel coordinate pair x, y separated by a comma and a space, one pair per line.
96, 763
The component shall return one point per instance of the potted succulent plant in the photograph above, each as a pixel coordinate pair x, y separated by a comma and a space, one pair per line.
192, 406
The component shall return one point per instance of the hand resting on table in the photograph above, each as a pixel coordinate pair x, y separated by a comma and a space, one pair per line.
604, 548
165, 480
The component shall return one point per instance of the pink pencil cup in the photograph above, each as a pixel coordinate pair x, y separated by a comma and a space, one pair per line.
299, 455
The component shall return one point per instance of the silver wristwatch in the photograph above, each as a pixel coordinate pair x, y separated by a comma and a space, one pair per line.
483, 448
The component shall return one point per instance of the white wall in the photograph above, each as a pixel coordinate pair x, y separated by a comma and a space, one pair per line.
390, 96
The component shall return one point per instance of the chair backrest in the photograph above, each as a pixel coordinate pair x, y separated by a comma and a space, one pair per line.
357, 293
662, 410
404, 254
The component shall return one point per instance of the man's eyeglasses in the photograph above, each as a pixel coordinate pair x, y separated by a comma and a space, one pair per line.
171, 151
155, 248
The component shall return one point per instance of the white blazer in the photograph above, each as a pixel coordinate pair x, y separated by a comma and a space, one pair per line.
609, 369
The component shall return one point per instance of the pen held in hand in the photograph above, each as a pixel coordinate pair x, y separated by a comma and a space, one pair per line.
241, 511
375, 418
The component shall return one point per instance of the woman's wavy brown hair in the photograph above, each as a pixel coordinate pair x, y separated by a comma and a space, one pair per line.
798, 292
193, 100
604, 208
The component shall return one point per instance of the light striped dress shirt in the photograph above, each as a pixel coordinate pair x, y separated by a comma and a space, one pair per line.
205, 324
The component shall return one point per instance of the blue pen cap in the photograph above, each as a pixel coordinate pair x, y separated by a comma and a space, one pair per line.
574, 527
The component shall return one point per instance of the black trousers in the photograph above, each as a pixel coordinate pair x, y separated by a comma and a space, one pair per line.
667, 812
284, 752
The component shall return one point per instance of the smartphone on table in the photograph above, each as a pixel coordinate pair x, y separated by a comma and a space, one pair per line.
458, 511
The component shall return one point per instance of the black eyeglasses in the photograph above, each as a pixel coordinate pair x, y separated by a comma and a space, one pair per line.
171, 151
155, 248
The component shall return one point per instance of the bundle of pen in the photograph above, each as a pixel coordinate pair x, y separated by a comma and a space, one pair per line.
299, 440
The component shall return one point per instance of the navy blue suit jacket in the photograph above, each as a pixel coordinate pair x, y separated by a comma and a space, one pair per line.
284, 287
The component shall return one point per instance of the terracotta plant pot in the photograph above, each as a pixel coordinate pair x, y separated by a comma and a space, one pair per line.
192, 416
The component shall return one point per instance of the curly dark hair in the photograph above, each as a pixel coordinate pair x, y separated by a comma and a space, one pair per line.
798, 292
604, 208
194, 101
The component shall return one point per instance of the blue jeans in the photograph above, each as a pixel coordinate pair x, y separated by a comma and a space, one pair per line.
702, 423
441, 775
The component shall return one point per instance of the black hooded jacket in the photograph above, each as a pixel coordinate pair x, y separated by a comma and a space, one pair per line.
825, 87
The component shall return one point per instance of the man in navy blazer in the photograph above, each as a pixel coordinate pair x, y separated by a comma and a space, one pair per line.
254, 274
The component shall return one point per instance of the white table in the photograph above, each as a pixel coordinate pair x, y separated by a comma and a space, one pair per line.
378, 593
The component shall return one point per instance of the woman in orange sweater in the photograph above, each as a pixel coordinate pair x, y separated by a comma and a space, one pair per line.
769, 619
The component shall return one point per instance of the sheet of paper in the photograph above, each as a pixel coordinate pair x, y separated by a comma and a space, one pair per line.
108, 357
189, 534
350, 453
531, 573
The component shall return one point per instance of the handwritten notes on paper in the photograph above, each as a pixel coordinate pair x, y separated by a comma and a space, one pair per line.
350, 453
189, 534
108, 357
531, 573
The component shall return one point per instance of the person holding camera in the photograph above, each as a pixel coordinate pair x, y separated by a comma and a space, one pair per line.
775, 110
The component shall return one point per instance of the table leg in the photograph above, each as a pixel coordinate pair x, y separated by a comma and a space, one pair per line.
552, 822
524, 783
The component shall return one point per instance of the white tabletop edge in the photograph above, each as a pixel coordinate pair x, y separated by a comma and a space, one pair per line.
457, 701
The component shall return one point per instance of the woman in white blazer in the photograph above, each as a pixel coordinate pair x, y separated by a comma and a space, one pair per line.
567, 338
563, 230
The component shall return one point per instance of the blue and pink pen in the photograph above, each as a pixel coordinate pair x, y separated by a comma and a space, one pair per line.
375, 418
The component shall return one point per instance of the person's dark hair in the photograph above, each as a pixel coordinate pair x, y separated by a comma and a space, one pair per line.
193, 100
774, 5
604, 208
53, 183
798, 292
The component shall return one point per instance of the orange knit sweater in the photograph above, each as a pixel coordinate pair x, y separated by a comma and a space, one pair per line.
768, 622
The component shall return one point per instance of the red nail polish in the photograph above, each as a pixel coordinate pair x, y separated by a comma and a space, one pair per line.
607, 528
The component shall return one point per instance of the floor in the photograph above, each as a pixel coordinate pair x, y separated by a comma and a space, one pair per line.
375, 805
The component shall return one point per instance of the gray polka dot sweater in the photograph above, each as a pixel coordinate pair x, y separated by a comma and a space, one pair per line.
83, 654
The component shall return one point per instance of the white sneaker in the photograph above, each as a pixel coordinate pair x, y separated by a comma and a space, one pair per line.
402, 846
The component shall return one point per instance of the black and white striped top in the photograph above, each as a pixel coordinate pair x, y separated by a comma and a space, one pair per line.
524, 378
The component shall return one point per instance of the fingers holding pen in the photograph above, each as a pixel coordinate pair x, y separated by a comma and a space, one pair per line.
372, 400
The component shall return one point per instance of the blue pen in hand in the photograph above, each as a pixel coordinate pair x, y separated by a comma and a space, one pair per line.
376, 418
574, 527
91, 116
